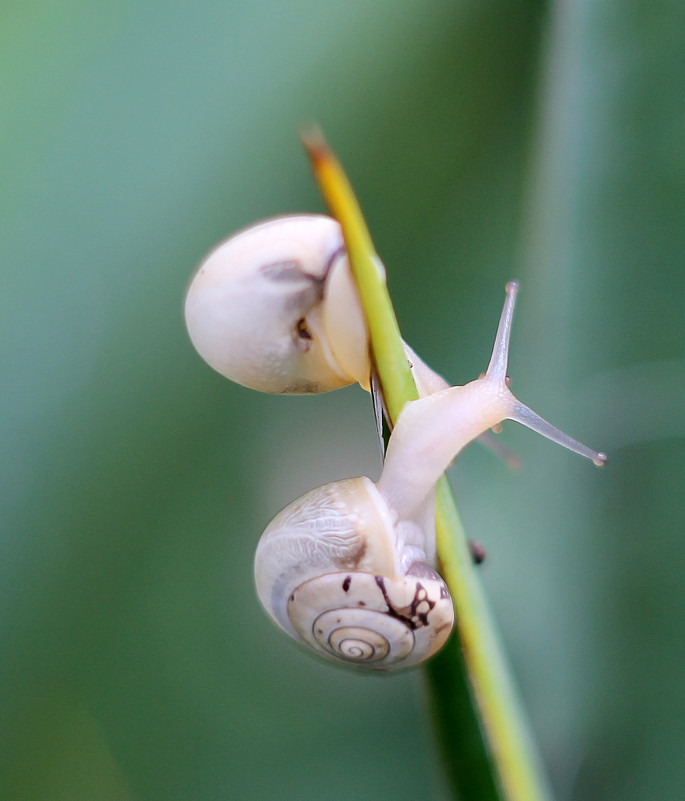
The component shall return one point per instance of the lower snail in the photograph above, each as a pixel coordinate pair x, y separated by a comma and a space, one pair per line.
338, 572
348, 569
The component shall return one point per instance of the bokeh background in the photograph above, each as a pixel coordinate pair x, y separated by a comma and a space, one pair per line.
489, 140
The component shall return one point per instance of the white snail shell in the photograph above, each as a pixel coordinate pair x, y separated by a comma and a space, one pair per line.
336, 571
275, 308
257, 311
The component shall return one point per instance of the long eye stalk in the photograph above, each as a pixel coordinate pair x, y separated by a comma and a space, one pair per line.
528, 418
497, 368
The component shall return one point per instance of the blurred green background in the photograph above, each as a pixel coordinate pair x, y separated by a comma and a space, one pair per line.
490, 140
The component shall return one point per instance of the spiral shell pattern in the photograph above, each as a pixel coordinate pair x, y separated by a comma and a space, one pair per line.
362, 635
370, 621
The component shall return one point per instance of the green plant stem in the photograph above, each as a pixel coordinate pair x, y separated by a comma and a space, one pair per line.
512, 752
484, 735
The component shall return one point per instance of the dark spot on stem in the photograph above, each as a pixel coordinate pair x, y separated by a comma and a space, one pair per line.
478, 552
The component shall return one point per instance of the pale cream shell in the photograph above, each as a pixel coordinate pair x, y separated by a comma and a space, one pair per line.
329, 570
254, 292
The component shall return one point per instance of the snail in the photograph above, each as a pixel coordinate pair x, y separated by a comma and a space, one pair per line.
348, 569
283, 272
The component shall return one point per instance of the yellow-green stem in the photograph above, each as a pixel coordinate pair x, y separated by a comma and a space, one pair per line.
393, 372
503, 762
519, 771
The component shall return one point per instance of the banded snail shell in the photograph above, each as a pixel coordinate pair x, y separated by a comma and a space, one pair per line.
337, 572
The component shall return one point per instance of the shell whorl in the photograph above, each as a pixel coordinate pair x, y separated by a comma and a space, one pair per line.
372, 621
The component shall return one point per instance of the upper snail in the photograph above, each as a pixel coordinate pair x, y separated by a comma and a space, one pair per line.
281, 273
